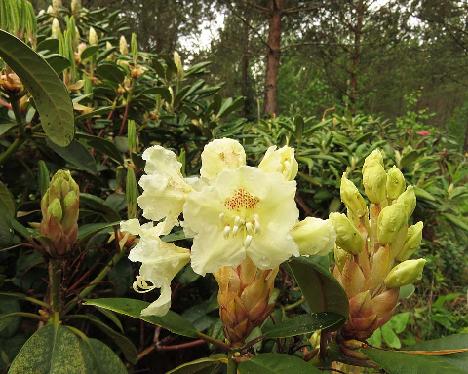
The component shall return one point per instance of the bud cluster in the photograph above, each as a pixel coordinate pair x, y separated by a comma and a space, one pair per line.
60, 209
244, 298
374, 244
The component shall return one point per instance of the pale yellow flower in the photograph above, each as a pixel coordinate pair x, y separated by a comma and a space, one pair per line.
160, 263
221, 154
244, 212
314, 236
280, 160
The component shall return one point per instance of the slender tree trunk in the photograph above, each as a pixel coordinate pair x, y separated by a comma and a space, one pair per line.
465, 143
273, 58
246, 81
356, 57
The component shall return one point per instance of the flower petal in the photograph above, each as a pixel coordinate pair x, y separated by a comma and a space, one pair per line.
161, 306
221, 154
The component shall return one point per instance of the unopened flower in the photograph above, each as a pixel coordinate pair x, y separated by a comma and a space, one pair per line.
160, 263
60, 210
314, 236
221, 154
408, 200
374, 177
391, 220
413, 240
123, 46
55, 28
280, 160
75, 7
93, 36
405, 273
244, 212
347, 235
396, 183
351, 197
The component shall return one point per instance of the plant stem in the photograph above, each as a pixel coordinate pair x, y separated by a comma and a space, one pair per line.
15, 106
87, 290
55, 275
213, 341
231, 365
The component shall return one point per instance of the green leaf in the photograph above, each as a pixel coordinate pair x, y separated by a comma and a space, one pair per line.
458, 221
50, 95
7, 202
303, 324
53, 349
58, 63
99, 206
389, 336
204, 365
103, 146
88, 52
132, 308
326, 295
76, 155
90, 229
111, 72
126, 346
104, 360
8, 305
397, 363
5, 127
273, 363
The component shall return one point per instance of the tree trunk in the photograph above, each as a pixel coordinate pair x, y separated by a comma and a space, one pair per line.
273, 58
246, 81
356, 57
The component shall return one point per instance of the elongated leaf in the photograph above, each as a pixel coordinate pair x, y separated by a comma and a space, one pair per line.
52, 349
104, 360
7, 202
50, 95
90, 229
321, 291
103, 146
132, 308
76, 155
398, 362
99, 206
126, 346
204, 365
304, 324
273, 363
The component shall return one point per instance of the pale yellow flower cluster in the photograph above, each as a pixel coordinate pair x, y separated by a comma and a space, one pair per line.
232, 211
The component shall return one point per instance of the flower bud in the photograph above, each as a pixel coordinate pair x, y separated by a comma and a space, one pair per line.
280, 160
408, 199
391, 220
57, 4
314, 236
55, 28
413, 240
93, 36
178, 64
51, 11
75, 7
396, 183
351, 197
374, 177
405, 273
340, 256
221, 154
108, 46
11, 83
60, 209
123, 46
347, 235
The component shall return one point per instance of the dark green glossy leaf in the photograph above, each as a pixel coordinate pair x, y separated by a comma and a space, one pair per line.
273, 363
99, 206
76, 155
104, 360
103, 146
303, 324
132, 308
8, 305
394, 362
204, 365
111, 72
59, 63
50, 95
88, 52
90, 229
321, 291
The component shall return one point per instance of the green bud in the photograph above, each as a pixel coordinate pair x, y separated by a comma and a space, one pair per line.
405, 273
347, 235
396, 183
341, 256
55, 209
413, 240
408, 200
374, 177
391, 219
60, 210
132, 136
75, 7
134, 46
93, 36
314, 236
108, 46
123, 46
178, 64
351, 197
43, 177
